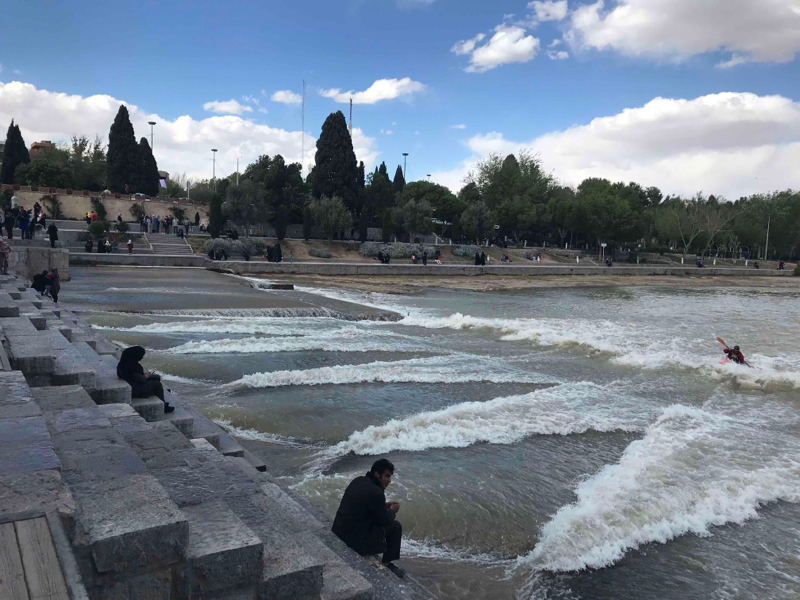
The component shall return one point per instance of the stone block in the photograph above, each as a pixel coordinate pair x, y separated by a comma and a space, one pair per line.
181, 420
229, 446
291, 507
118, 410
205, 428
14, 389
151, 585
15, 411
130, 424
42, 490
27, 455
151, 409
257, 463
61, 397
35, 354
18, 326
203, 444
95, 454
289, 570
8, 307
222, 551
75, 418
339, 581
129, 523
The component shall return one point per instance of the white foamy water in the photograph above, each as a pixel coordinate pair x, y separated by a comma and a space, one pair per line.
345, 341
561, 410
693, 469
457, 368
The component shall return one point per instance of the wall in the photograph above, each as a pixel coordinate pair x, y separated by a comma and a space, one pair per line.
27, 260
75, 206
140, 260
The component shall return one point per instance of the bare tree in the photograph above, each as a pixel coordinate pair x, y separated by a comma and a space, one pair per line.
689, 220
716, 218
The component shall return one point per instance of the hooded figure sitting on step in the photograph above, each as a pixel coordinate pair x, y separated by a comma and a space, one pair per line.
143, 383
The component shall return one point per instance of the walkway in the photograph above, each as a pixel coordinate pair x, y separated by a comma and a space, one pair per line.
172, 245
29, 565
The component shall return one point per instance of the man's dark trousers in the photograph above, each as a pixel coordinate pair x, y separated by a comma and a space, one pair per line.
394, 534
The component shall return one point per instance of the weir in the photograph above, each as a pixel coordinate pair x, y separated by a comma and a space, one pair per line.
124, 501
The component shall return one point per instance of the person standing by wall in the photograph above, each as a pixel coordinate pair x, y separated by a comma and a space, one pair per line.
52, 232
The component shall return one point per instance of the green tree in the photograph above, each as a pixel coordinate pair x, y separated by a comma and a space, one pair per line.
124, 160
15, 153
606, 215
331, 215
148, 177
87, 161
477, 220
137, 212
216, 221
44, 173
388, 225
246, 204
306, 223
399, 181
417, 217
336, 171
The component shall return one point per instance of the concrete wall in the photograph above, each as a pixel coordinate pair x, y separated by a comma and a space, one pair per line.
75, 206
307, 268
142, 260
27, 259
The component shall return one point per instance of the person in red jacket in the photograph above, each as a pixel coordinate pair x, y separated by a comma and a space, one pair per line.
735, 355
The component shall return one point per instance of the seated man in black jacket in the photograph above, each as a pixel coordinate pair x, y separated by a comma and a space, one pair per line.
366, 522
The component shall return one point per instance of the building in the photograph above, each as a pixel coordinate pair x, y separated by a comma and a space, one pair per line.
38, 149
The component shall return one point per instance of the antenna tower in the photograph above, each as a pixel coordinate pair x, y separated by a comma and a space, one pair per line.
303, 131
351, 117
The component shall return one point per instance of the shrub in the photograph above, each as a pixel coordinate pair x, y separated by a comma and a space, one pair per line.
466, 251
97, 228
244, 248
259, 247
53, 206
178, 213
99, 208
216, 246
137, 211
121, 227
319, 252
797, 269
371, 249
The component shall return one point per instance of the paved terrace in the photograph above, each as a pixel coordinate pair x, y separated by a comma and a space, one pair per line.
105, 496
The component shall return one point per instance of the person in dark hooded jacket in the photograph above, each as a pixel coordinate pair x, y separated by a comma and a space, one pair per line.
143, 384
366, 522
40, 282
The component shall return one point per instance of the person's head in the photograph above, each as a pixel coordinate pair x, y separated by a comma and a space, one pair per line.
736, 348
44, 272
382, 469
132, 354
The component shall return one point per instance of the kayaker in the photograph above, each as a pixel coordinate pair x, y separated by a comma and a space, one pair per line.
735, 355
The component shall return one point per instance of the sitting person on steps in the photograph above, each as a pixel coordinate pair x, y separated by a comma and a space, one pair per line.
366, 522
143, 383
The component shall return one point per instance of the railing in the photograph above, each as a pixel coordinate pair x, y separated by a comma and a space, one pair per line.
71, 192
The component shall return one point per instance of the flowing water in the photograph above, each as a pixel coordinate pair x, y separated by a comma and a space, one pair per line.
559, 443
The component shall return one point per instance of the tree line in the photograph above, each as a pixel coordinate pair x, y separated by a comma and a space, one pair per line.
124, 166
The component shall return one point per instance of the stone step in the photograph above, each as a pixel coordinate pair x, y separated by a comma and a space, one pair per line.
229, 446
339, 581
291, 571
259, 464
107, 388
222, 553
151, 409
8, 308
206, 428
181, 420
159, 445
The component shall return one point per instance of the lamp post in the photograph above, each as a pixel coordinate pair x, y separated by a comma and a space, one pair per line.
405, 156
429, 177
214, 167
152, 124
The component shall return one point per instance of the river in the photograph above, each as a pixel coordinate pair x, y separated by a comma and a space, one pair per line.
548, 443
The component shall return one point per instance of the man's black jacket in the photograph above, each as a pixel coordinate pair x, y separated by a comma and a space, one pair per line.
362, 515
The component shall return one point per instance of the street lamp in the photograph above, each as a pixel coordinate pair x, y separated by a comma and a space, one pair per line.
214, 167
429, 176
405, 155
152, 124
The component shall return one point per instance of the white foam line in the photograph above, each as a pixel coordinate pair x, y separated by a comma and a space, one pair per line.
273, 438
692, 470
341, 343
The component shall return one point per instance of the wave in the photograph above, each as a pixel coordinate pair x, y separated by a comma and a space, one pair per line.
316, 311
246, 433
560, 410
344, 341
630, 345
179, 379
457, 368
693, 469
434, 550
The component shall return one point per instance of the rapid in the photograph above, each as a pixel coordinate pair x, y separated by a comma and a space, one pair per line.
549, 443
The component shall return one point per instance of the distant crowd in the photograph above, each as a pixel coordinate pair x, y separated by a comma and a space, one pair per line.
17, 217
159, 224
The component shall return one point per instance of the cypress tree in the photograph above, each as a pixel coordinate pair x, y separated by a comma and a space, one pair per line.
363, 224
384, 171
336, 171
306, 223
124, 162
362, 180
15, 154
388, 225
215, 219
148, 178
399, 180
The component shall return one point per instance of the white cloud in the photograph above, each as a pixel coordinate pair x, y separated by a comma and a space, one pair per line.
251, 100
263, 110
459, 126
549, 10
285, 96
557, 54
17, 72
227, 107
509, 44
181, 146
382, 89
753, 31
394, 122
718, 143
467, 46
554, 43
414, 3
387, 131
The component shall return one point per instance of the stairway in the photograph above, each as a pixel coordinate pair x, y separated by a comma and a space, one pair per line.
153, 504
168, 244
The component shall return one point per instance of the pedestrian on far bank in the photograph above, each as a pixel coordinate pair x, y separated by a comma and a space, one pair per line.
424, 257
52, 232
130, 246
483, 259
9, 222
55, 285
197, 219
291, 257
89, 245
5, 250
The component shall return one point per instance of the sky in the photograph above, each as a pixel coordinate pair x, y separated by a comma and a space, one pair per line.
686, 95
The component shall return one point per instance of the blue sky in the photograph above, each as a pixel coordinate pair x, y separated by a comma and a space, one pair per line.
171, 58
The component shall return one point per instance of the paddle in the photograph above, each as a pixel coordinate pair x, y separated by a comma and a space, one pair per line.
721, 341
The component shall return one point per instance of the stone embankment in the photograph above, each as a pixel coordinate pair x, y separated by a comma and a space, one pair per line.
141, 504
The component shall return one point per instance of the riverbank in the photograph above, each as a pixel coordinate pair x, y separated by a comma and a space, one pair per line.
412, 285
